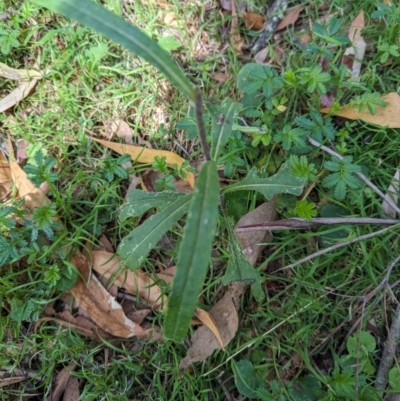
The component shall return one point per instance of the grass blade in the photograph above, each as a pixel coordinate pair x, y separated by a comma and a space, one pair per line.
194, 253
95, 16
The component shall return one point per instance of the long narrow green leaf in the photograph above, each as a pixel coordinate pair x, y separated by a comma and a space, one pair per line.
222, 126
140, 202
194, 253
283, 182
137, 245
95, 16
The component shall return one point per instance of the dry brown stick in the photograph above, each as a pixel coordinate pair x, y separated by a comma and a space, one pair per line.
337, 246
302, 224
275, 15
360, 175
389, 352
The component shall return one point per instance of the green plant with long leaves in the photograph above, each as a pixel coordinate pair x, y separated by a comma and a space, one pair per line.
201, 206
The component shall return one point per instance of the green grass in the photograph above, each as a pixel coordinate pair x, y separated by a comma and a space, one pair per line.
90, 81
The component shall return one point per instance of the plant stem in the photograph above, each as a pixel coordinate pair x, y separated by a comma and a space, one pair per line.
337, 246
302, 224
200, 125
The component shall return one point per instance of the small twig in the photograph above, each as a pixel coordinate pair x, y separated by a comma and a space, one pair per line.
301, 224
336, 246
273, 20
360, 175
389, 352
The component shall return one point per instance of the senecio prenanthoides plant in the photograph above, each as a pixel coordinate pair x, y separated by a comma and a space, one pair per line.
260, 102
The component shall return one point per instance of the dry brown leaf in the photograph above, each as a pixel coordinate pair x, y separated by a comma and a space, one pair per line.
72, 392
144, 155
121, 129
208, 321
105, 244
291, 17
34, 197
167, 274
5, 178
226, 5
252, 241
102, 308
261, 55
220, 77
236, 40
18, 75
22, 146
138, 316
224, 313
61, 382
170, 18
254, 21
137, 282
357, 50
20, 92
392, 194
305, 39
388, 116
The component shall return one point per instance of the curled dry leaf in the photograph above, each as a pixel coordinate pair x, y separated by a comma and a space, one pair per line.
102, 308
291, 17
392, 193
137, 282
224, 313
388, 116
252, 241
144, 155
61, 382
208, 321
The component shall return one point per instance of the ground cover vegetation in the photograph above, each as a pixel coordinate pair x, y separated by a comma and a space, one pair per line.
202, 208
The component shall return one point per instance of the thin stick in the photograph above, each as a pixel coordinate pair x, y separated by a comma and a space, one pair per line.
389, 352
337, 246
360, 175
300, 224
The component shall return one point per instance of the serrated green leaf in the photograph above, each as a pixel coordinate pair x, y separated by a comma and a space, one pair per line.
222, 126
239, 268
97, 17
247, 381
137, 245
194, 253
141, 201
283, 182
